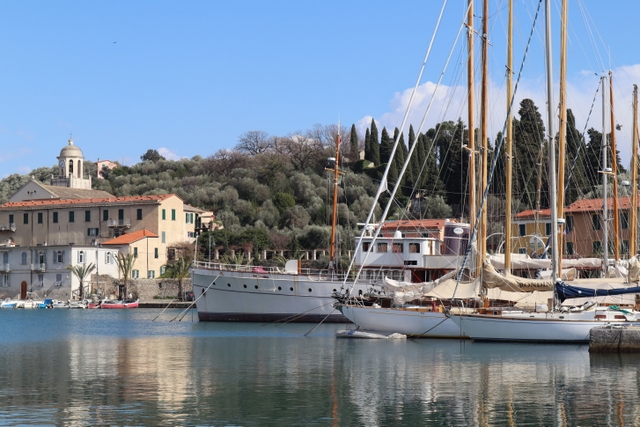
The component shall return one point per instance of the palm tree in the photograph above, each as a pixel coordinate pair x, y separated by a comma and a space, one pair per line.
81, 271
180, 269
125, 267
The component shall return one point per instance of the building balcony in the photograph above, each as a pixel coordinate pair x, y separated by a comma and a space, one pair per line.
38, 267
119, 223
8, 227
5, 268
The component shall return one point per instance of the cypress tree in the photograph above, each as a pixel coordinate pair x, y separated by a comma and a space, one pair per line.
528, 143
367, 146
401, 154
374, 144
354, 144
576, 153
413, 169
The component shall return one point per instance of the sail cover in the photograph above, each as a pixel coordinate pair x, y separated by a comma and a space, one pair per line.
508, 282
565, 291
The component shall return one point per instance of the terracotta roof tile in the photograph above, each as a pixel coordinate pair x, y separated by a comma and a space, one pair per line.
92, 201
129, 238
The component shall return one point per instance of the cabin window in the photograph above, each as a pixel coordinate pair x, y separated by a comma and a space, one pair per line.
382, 247
624, 220
522, 250
547, 228
595, 219
365, 246
398, 248
414, 248
522, 229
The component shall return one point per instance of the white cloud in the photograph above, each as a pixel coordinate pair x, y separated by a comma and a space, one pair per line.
450, 103
168, 154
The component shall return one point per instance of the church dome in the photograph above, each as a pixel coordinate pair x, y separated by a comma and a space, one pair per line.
71, 150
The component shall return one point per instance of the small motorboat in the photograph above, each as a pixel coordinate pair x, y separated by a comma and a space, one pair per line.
8, 303
119, 304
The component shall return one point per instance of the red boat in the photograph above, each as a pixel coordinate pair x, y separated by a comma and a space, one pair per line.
119, 304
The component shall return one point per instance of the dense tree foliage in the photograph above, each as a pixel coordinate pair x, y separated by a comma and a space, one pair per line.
274, 192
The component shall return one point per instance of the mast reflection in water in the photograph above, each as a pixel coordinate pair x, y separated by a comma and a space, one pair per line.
82, 367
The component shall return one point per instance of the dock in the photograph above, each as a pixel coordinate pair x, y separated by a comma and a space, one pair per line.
615, 339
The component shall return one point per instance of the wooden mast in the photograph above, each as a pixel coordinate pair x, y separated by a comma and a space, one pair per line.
334, 213
471, 120
614, 171
562, 138
508, 149
482, 235
633, 209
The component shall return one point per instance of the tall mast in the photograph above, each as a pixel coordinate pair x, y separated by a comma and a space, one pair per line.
633, 209
614, 171
508, 149
562, 138
553, 201
482, 236
605, 207
334, 214
471, 120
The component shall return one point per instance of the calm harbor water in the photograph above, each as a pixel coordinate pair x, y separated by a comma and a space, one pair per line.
119, 367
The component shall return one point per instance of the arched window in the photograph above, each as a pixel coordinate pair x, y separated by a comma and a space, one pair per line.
40, 257
81, 257
70, 167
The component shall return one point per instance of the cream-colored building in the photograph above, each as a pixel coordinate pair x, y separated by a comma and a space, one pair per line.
68, 214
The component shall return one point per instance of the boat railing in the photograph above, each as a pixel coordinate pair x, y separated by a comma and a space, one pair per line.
313, 274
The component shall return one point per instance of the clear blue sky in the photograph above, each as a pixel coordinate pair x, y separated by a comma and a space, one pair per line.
188, 78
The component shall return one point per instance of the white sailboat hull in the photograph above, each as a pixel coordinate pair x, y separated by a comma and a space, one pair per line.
538, 327
424, 324
248, 296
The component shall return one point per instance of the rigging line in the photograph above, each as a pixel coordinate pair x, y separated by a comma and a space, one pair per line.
295, 316
586, 19
165, 309
406, 163
184, 313
325, 318
386, 172
575, 158
494, 161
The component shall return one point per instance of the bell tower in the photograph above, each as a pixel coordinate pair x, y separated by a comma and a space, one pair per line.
71, 168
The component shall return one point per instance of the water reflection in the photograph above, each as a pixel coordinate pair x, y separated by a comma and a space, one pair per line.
115, 369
